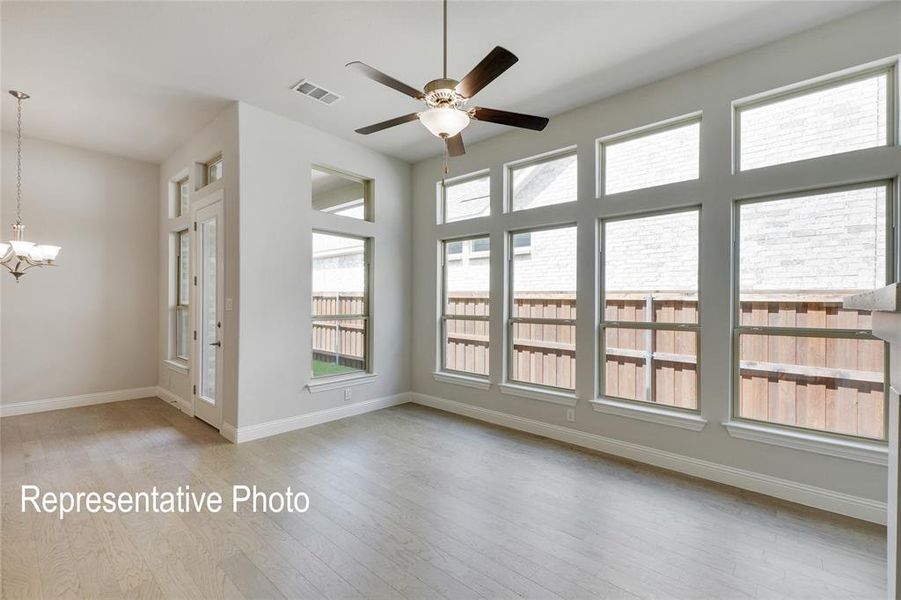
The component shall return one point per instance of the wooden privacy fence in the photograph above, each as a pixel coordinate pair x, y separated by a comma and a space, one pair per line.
823, 383
341, 341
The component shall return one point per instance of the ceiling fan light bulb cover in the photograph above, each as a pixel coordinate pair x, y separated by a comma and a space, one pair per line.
444, 122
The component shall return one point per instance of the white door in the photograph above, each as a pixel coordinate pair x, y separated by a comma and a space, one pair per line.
209, 287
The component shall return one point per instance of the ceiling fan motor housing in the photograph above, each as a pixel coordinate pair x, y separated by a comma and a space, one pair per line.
440, 93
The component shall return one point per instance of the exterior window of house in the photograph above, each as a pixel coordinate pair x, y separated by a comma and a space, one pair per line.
650, 327
340, 304
542, 324
840, 116
655, 155
542, 182
465, 197
182, 198
464, 305
213, 170
341, 194
182, 293
801, 359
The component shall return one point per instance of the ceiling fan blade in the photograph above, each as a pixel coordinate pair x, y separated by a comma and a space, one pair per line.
380, 77
388, 123
455, 145
497, 61
510, 118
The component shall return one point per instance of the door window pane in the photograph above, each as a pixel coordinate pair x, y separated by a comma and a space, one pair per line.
209, 331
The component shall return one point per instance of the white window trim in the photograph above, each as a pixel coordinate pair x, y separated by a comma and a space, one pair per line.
889, 67
325, 384
875, 453
179, 366
639, 132
532, 161
479, 383
652, 413
541, 394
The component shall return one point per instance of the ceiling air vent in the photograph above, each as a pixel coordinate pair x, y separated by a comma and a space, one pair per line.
310, 89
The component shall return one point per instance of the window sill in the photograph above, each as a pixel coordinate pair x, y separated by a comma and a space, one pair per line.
650, 413
340, 381
534, 393
862, 451
478, 383
177, 366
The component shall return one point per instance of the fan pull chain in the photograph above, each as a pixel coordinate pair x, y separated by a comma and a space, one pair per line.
446, 170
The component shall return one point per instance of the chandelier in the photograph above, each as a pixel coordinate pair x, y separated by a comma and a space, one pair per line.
18, 255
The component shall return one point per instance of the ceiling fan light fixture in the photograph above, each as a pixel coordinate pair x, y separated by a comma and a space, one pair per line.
444, 122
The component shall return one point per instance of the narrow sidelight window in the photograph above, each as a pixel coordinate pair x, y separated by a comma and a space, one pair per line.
182, 293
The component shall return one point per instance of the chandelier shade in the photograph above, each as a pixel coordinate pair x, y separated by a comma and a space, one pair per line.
19, 255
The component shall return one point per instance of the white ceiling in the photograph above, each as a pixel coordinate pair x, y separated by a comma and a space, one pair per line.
138, 78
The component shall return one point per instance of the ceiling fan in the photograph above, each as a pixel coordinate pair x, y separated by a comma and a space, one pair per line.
446, 114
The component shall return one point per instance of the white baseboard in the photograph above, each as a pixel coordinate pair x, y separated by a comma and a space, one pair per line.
175, 400
808, 495
269, 428
229, 432
36, 406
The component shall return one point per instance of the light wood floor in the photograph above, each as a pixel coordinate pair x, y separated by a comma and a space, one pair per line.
407, 502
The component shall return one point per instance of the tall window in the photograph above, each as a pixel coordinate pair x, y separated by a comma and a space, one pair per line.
842, 116
182, 293
465, 197
340, 304
542, 182
182, 199
213, 170
654, 156
542, 326
464, 306
801, 359
649, 333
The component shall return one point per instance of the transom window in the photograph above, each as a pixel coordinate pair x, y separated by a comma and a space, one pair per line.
340, 304
213, 170
840, 116
650, 328
341, 194
182, 197
655, 155
542, 324
801, 359
465, 197
466, 268
544, 181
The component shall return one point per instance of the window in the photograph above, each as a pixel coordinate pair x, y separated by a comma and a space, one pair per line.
464, 305
465, 198
650, 331
213, 170
542, 325
654, 156
851, 114
341, 194
340, 304
182, 201
801, 359
542, 182
182, 293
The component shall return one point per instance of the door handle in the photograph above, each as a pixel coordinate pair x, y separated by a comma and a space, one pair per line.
217, 344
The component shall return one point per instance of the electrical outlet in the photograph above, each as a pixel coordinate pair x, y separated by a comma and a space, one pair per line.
570, 414
347, 393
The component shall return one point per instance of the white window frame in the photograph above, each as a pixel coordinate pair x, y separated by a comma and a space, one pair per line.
509, 168
516, 386
207, 167
441, 194
179, 195
891, 225
321, 382
177, 273
887, 67
368, 193
640, 132
649, 327
444, 317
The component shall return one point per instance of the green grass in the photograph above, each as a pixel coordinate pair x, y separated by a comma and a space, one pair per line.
324, 369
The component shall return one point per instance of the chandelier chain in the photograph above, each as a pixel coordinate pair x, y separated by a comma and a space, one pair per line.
18, 160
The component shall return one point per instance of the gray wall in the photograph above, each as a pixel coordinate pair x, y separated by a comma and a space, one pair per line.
88, 325
276, 260
843, 44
